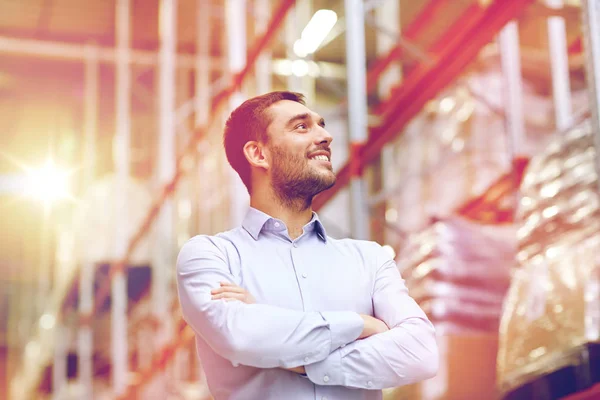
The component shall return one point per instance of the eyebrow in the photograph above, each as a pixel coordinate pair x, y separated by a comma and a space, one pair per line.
303, 117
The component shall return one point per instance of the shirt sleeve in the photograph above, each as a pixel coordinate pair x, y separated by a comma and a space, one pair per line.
405, 354
257, 335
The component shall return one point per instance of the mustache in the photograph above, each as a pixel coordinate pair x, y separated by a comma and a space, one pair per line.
324, 147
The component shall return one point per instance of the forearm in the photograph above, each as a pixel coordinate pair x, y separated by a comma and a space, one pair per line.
265, 336
401, 356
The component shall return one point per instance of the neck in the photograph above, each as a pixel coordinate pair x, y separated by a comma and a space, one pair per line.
295, 213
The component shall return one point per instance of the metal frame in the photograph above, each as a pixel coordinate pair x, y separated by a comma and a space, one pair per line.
591, 33
461, 44
119, 348
357, 113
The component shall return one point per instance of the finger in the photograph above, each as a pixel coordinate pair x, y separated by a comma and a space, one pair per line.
228, 296
225, 283
232, 289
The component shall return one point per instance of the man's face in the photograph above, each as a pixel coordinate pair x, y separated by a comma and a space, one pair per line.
300, 156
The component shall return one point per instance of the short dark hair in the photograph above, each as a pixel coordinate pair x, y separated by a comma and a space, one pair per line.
250, 122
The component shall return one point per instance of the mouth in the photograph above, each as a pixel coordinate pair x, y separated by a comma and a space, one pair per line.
322, 155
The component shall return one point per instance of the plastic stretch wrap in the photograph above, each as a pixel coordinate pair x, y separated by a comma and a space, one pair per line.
457, 147
458, 271
553, 302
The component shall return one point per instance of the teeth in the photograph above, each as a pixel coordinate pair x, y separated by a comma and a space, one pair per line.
322, 158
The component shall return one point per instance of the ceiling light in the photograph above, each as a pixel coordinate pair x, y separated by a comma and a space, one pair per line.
315, 32
300, 68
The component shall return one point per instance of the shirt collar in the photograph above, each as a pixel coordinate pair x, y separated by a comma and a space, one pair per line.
256, 220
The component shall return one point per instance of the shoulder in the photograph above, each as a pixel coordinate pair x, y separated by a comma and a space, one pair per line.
365, 249
207, 247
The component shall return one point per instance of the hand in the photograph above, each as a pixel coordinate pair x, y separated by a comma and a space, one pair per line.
298, 370
230, 291
373, 326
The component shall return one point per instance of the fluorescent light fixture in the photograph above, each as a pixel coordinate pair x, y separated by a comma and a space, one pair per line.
315, 32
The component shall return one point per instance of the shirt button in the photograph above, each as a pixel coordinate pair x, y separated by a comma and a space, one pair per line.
277, 224
369, 384
304, 275
326, 378
295, 244
305, 359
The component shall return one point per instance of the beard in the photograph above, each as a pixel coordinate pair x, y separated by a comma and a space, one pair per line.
295, 181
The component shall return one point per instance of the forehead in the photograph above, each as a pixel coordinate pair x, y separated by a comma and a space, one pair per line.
282, 111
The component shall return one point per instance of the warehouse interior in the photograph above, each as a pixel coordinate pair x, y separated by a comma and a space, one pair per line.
466, 137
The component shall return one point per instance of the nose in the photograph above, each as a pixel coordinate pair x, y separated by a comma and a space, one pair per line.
323, 136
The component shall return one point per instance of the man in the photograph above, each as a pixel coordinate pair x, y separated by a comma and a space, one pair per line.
281, 310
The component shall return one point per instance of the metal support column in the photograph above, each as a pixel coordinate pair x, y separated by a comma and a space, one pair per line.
119, 345
513, 85
164, 246
510, 57
591, 31
86, 278
202, 90
292, 33
387, 16
202, 106
235, 21
59, 365
357, 111
263, 63
559, 61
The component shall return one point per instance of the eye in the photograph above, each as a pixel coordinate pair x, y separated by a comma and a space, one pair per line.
301, 126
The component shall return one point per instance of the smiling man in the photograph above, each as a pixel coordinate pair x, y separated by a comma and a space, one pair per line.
280, 309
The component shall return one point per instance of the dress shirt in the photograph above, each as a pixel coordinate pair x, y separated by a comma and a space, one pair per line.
309, 293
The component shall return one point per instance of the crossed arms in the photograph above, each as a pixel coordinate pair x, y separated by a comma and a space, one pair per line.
341, 345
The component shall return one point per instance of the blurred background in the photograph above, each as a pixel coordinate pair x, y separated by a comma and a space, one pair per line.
466, 136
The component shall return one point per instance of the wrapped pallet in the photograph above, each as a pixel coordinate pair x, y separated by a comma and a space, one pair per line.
458, 271
552, 311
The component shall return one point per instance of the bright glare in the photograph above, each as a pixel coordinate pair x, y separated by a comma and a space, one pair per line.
48, 183
300, 68
315, 32
47, 321
390, 250
299, 48
391, 215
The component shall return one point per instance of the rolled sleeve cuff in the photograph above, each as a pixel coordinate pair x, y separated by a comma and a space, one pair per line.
345, 327
327, 372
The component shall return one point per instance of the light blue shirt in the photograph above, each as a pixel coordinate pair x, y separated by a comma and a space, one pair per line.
309, 293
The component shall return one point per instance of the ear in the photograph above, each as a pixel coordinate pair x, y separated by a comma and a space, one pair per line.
255, 154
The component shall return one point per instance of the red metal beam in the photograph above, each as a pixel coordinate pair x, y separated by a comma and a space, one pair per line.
428, 80
428, 14
484, 208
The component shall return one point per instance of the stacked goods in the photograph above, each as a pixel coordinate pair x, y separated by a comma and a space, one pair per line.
552, 310
458, 271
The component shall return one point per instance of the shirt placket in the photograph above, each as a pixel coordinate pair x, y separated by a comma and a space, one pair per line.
302, 274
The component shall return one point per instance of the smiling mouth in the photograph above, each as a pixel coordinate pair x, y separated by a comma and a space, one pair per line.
320, 158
